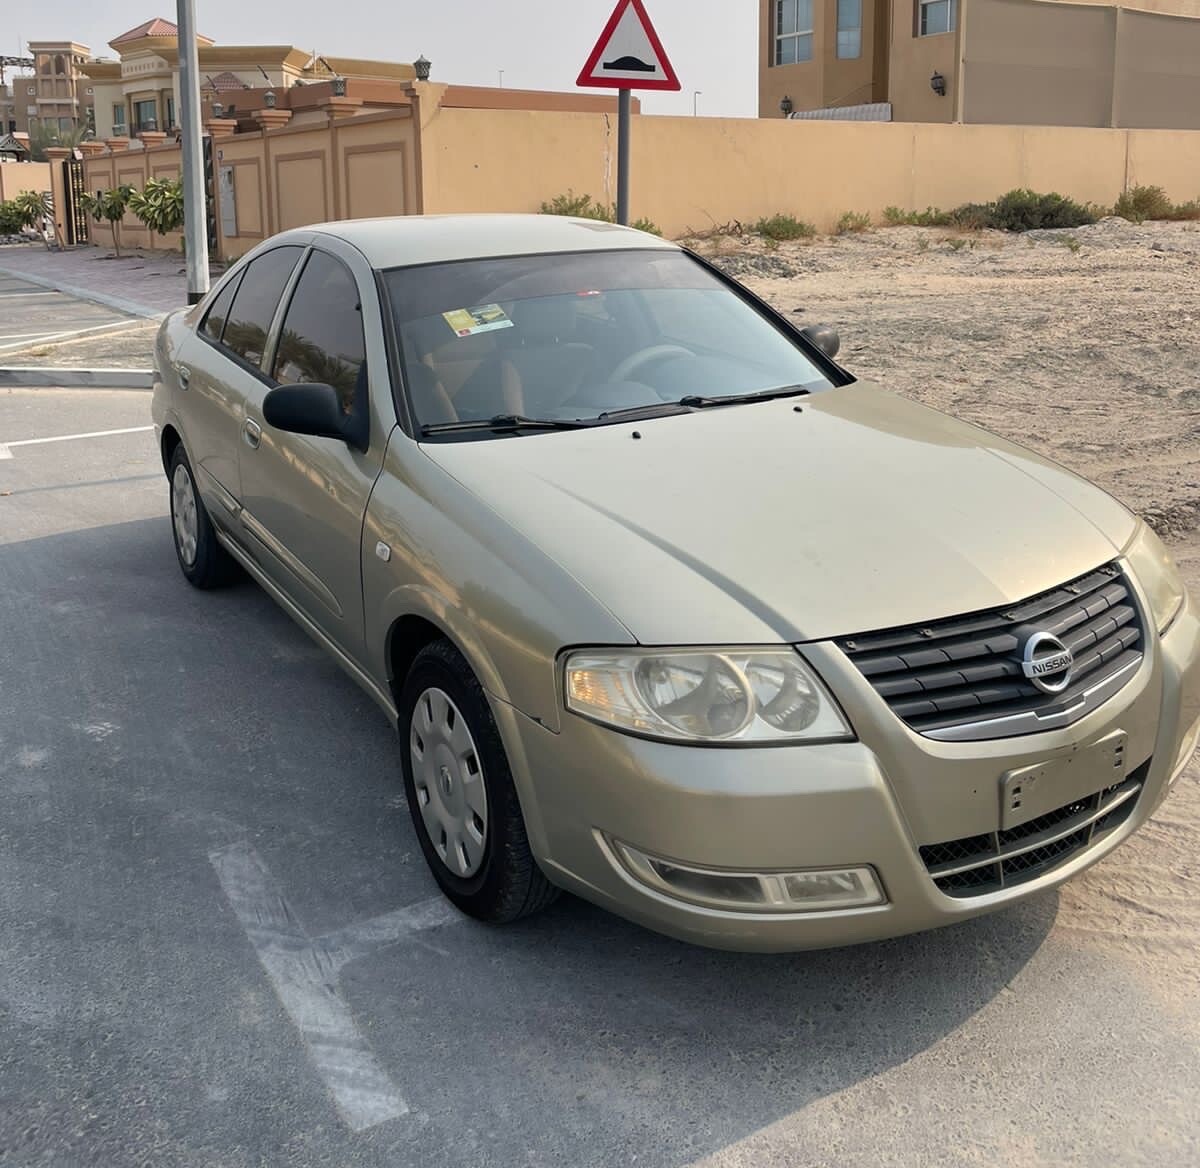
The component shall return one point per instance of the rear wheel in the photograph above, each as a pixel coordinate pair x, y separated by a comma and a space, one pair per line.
461, 795
203, 561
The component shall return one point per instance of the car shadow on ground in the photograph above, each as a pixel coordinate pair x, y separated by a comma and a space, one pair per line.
209, 718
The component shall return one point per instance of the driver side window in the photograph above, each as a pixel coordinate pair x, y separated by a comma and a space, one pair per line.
322, 337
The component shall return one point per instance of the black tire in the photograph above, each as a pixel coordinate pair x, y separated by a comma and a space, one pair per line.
209, 565
508, 883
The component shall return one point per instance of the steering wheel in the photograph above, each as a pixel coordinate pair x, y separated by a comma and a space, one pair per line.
625, 370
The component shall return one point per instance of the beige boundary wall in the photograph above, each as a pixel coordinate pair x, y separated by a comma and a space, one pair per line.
16, 177
689, 174
351, 168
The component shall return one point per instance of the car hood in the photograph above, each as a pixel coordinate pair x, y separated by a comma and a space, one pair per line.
793, 520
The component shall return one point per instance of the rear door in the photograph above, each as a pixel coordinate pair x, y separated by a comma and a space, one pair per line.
220, 364
304, 498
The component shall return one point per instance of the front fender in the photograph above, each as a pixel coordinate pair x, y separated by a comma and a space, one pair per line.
448, 558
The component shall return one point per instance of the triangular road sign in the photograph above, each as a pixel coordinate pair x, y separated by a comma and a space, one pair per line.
629, 54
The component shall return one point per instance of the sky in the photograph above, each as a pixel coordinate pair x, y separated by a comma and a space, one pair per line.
539, 44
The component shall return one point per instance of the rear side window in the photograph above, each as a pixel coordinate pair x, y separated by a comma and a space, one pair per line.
255, 302
218, 312
322, 336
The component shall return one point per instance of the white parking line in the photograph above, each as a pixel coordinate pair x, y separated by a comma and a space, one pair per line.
7, 344
303, 971
6, 447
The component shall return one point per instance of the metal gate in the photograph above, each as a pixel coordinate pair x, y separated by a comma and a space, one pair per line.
75, 220
210, 197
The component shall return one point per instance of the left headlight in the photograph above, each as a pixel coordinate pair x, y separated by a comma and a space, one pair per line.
1157, 574
704, 695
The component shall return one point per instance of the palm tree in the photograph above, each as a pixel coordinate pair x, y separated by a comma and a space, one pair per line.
43, 135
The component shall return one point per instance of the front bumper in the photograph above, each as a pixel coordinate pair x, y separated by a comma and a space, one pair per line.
871, 802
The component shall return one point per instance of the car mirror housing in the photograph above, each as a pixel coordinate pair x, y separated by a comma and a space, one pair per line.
311, 408
825, 337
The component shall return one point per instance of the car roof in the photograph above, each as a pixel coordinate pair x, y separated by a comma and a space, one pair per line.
407, 240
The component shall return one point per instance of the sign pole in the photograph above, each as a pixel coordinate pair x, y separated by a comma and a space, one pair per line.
195, 215
624, 104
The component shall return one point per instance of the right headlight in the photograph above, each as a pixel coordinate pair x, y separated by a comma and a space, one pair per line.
703, 695
1159, 577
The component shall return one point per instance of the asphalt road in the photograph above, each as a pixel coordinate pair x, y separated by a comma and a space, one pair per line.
219, 944
31, 315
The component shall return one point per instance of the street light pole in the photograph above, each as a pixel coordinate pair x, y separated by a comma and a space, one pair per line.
501, 78
696, 93
195, 218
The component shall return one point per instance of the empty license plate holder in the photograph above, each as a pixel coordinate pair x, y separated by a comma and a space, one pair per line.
1034, 790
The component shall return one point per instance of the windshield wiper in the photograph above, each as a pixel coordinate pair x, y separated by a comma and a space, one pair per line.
735, 399
651, 410
503, 422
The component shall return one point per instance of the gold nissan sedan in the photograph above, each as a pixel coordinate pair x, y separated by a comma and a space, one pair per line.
669, 609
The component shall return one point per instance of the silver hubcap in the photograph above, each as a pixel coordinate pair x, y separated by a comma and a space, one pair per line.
183, 514
449, 781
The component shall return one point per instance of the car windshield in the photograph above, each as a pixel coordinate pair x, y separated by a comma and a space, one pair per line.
576, 337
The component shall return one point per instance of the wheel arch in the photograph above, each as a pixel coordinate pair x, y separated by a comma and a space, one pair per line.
169, 442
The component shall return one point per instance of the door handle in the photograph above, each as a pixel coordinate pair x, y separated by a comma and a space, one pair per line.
184, 374
252, 433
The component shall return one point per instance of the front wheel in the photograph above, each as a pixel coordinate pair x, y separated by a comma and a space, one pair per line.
461, 795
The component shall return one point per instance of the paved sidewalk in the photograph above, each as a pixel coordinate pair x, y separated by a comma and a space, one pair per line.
147, 285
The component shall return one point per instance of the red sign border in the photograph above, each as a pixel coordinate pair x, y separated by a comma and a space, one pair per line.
588, 81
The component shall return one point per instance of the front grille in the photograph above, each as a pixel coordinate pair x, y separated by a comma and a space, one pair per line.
966, 671
1001, 859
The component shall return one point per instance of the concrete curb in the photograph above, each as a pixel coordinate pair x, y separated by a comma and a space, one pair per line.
121, 305
57, 377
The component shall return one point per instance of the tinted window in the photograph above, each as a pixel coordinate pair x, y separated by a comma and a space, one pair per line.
322, 337
255, 303
218, 312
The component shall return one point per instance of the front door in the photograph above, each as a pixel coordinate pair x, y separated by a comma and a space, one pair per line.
304, 498
220, 365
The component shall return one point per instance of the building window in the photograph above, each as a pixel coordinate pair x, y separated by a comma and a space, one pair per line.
119, 117
936, 16
145, 115
849, 29
60, 65
170, 113
793, 31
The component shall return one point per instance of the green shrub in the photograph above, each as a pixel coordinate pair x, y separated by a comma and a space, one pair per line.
108, 205
578, 207
159, 205
852, 222
1023, 210
585, 207
1188, 210
12, 219
783, 227
930, 217
971, 217
1141, 203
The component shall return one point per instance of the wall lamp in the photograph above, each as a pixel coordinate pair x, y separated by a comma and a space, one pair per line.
938, 84
786, 106
339, 86
421, 67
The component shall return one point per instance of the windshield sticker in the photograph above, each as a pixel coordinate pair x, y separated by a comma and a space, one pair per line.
466, 322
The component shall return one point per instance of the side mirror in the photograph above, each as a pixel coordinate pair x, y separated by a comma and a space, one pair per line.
825, 337
311, 408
